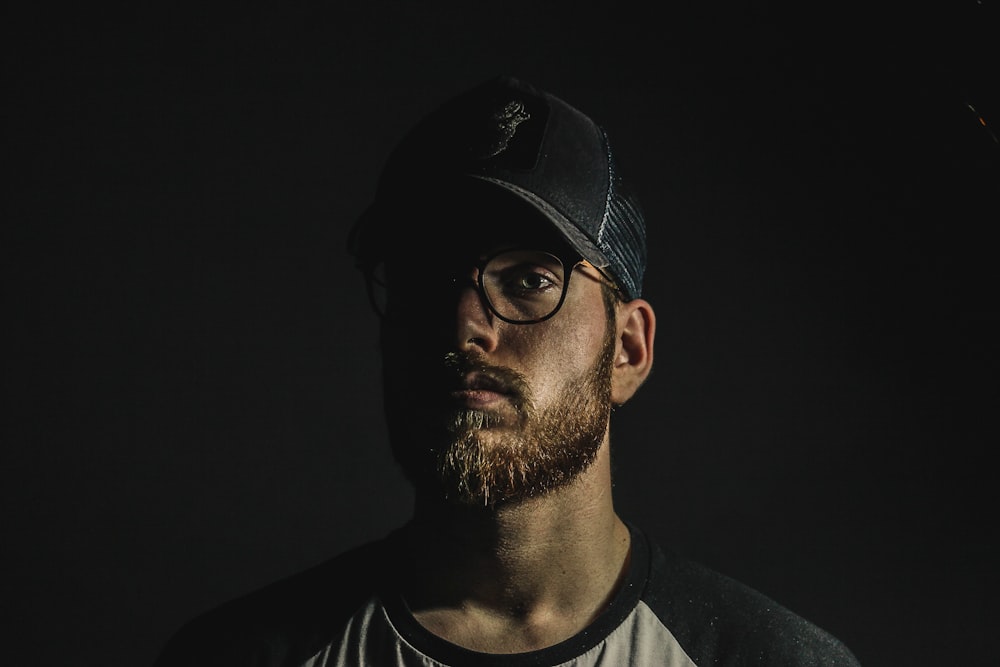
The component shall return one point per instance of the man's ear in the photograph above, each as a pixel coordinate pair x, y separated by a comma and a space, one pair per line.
636, 328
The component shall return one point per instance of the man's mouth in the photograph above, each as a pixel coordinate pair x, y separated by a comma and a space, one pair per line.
473, 384
478, 390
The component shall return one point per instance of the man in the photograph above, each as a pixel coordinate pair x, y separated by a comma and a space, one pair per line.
505, 256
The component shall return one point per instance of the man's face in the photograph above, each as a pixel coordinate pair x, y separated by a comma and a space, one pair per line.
483, 411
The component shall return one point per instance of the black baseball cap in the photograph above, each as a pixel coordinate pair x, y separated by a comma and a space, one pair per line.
526, 142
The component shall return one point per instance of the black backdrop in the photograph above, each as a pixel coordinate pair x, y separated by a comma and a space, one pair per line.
192, 399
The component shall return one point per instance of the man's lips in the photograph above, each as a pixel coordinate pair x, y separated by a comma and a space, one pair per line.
477, 389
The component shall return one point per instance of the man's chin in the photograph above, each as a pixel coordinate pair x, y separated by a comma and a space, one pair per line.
465, 420
449, 464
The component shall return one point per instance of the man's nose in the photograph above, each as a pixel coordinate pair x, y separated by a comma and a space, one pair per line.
474, 321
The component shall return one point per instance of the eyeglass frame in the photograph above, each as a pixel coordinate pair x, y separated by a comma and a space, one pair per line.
368, 270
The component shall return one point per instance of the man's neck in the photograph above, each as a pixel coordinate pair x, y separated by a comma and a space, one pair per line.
518, 576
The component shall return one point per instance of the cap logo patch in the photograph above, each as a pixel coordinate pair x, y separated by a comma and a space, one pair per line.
505, 122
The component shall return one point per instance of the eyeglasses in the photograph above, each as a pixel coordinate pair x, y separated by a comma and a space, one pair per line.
519, 286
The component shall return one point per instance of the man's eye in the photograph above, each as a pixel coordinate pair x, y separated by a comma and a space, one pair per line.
529, 281
532, 280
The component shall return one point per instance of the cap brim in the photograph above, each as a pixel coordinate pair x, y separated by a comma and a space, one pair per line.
461, 192
569, 231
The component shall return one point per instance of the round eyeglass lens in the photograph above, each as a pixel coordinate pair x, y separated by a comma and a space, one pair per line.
523, 285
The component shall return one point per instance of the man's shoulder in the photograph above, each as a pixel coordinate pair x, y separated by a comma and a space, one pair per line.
719, 620
287, 620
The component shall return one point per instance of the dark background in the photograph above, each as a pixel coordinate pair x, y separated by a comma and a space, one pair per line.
191, 389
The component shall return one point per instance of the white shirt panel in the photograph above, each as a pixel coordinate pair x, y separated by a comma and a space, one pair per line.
370, 640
